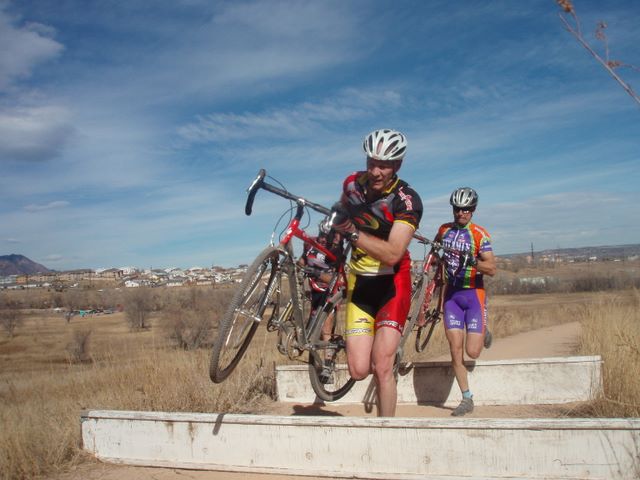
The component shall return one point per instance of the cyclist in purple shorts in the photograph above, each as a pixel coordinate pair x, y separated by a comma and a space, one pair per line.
465, 312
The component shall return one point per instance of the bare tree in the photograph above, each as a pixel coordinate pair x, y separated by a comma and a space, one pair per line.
11, 316
73, 300
138, 305
571, 22
78, 346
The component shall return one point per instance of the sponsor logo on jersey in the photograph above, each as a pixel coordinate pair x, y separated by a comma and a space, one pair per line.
406, 199
368, 220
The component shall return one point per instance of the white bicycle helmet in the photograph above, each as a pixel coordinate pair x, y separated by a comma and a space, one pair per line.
387, 145
464, 197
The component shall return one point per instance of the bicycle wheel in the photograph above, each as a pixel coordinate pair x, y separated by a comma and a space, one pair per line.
431, 316
251, 302
334, 382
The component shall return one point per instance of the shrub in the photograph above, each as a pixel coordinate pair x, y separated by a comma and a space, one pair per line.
11, 316
78, 347
189, 315
138, 305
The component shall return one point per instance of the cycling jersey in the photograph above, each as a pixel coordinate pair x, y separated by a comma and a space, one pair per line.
470, 238
398, 203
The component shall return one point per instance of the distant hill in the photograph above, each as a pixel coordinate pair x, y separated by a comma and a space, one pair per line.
604, 252
19, 265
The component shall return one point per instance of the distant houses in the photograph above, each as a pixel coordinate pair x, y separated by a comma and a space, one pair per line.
127, 277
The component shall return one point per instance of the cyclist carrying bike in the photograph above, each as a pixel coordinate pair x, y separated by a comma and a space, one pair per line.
465, 303
378, 212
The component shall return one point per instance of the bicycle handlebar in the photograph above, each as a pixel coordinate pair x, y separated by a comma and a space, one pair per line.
426, 240
259, 183
436, 245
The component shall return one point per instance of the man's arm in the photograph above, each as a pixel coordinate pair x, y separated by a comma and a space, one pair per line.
388, 251
487, 263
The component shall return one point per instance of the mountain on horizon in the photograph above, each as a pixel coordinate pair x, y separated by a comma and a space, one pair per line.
15, 264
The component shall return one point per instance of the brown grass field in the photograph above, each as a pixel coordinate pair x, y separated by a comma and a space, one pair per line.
44, 386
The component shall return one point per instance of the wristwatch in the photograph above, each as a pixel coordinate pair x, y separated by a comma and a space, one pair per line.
354, 236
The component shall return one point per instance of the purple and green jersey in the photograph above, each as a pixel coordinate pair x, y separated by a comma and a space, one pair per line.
470, 238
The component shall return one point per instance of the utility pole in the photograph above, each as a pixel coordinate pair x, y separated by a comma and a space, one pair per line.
532, 257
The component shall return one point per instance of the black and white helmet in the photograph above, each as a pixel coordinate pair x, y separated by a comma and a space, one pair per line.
387, 145
464, 197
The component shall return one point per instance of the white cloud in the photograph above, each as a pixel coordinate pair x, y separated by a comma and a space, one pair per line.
23, 48
47, 206
310, 120
34, 133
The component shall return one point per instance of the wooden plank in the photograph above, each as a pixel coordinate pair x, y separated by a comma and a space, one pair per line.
368, 447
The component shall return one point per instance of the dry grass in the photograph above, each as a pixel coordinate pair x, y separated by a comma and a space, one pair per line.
511, 314
612, 329
42, 392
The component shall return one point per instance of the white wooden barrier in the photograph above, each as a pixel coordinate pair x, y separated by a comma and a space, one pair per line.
393, 448
527, 381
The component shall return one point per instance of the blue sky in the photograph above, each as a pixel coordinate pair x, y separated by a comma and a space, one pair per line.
129, 131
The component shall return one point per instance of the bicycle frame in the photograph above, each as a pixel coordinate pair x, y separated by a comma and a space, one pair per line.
294, 230
432, 259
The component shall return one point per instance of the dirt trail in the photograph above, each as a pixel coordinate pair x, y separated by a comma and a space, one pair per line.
560, 340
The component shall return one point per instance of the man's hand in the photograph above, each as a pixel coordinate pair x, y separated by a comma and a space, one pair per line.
468, 260
340, 219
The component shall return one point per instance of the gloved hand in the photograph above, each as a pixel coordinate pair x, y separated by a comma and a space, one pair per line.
340, 219
468, 260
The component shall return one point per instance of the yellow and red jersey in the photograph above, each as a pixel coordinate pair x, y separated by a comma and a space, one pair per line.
398, 203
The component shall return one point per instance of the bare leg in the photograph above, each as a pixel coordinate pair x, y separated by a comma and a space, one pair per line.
474, 344
383, 356
359, 356
456, 345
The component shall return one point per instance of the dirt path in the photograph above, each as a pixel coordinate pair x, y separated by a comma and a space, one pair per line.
554, 341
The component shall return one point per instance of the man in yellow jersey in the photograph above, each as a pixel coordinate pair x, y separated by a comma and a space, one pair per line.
378, 213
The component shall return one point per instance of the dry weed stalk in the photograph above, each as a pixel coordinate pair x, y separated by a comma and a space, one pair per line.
572, 24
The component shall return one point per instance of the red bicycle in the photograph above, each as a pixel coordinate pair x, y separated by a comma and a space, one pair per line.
272, 290
426, 299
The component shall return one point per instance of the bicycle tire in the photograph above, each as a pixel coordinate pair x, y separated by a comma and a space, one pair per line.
431, 316
417, 300
245, 312
340, 381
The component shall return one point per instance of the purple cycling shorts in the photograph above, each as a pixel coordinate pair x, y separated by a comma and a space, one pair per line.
465, 308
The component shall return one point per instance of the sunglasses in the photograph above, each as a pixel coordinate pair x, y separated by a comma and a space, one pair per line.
463, 209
